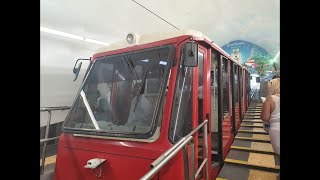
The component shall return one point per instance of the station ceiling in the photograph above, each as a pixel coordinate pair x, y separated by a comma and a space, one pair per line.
256, 21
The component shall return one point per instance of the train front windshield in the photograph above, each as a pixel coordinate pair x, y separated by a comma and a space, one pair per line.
122, 93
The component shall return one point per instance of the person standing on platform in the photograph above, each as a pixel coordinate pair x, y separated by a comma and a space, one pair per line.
271, 113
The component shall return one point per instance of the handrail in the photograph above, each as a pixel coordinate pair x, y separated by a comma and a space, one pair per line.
49, 139
170, 153
46, 139
56, 108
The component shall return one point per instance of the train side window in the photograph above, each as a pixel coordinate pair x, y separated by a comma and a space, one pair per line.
214, 105
236, 89
200, 90
241, 91
225, 87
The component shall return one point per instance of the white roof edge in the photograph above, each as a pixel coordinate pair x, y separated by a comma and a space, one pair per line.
149, 38
158, 36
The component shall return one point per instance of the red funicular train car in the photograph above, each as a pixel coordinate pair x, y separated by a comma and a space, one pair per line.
159, 106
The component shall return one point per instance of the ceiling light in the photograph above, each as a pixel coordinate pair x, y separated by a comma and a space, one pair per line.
59, 33
96, 42
72, 36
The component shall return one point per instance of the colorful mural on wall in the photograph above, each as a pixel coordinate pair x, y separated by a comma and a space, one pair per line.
243, 51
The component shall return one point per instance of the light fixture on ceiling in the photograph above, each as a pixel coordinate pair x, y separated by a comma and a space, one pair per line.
95, 41
72, 36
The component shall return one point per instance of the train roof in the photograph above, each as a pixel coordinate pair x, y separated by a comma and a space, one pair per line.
154, 37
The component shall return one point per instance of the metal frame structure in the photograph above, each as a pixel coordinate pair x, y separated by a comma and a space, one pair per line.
46, 139
182, 143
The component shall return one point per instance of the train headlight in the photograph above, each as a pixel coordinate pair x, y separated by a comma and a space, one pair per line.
131, 38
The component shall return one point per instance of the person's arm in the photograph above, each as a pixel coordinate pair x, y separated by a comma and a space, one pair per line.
266, 109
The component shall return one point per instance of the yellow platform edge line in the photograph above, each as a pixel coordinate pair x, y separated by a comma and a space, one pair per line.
250, 149
253, 139
248, 125
49, 160
235, 161
252, 120
254, 132
247, 120
257, 120
221, 179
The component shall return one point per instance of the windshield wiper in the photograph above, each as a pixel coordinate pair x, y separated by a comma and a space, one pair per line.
131, 66
141, 90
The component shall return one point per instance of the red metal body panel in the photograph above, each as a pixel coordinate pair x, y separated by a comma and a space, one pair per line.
227, 136
207, 103
214, 172
71, 162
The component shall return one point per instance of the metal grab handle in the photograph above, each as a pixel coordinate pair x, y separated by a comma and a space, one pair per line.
156, 168
58, 108
170, 153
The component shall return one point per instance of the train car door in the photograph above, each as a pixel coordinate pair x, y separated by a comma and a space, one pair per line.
248, 88
224, 87
241, 102
244, 97
216, 115
235, 98
204, 100
189, 109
